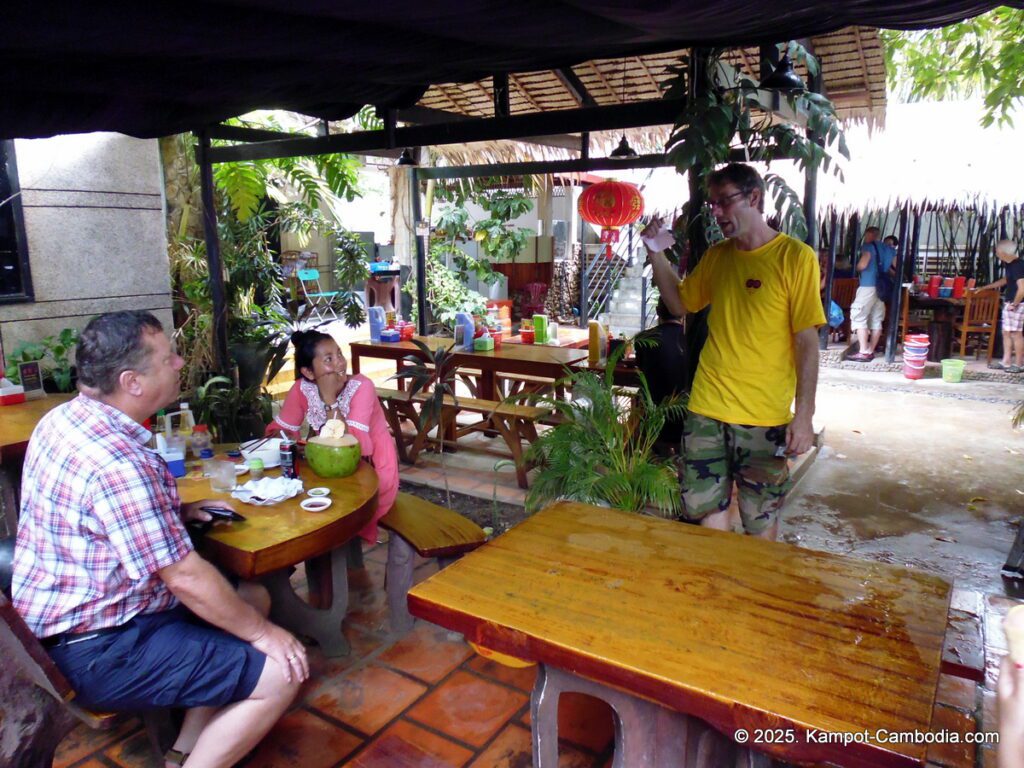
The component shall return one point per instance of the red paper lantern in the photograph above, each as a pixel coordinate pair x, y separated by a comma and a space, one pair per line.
611, 204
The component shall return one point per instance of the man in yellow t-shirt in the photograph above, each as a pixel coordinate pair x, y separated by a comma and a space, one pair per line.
762, 348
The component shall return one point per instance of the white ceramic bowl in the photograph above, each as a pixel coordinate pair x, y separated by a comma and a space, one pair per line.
269, 451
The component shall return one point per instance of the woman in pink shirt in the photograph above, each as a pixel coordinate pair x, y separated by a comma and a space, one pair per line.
323, 390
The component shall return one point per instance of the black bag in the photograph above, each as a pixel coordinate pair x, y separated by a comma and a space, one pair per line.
884, 282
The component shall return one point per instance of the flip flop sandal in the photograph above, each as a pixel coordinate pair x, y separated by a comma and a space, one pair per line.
997, 366
1013, 369
862, 357
175, 757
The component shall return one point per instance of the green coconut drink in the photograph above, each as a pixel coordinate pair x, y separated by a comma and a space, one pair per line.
333, 453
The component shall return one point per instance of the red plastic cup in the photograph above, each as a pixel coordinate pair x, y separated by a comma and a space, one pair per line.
526, 336
958, 287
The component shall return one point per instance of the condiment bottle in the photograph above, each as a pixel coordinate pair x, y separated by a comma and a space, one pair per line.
201, 439
255, 469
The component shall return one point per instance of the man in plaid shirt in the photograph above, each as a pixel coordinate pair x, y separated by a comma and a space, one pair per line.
105, 573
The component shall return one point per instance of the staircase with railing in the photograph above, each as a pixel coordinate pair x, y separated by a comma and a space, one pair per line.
617, 289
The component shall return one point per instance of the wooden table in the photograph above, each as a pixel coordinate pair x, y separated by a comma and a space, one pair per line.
734, 630
536, 360
18, 421
16, 425
274, 538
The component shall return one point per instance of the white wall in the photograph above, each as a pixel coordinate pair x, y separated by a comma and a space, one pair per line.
94, 220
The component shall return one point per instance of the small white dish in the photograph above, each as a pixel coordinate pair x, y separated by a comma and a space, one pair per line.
315, 505
321, 491
240, 469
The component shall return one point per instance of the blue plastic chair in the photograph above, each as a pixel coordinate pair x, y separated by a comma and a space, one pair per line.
317, 299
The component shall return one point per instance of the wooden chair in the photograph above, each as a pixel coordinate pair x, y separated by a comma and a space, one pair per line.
981, 317
38, 710
844, 290
420, 527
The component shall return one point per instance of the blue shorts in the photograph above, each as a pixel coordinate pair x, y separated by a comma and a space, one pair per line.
166, 659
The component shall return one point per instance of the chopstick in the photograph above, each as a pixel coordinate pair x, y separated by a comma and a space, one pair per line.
256, 445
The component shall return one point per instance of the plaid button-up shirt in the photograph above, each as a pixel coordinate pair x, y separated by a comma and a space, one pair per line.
100, 515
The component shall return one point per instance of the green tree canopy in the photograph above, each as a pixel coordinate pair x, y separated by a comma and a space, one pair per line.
980, 55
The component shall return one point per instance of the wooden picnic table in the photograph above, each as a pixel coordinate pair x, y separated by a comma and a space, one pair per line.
682, 627
535, 360
273, 538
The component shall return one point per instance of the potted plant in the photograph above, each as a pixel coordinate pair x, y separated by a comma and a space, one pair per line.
435, 366
233, 414
602, 452
52, 351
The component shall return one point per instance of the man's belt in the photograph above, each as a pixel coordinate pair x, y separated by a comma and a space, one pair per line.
70, 638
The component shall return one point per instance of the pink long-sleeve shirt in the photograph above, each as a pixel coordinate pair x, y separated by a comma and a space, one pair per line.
365, 419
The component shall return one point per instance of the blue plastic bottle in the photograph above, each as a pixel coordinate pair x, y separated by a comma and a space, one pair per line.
464, 337
376, 322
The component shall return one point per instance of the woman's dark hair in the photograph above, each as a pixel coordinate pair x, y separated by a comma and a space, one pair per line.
305, 349
111, 344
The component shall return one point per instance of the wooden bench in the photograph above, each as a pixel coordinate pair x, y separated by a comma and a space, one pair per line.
515, 423
420, 527
38, 707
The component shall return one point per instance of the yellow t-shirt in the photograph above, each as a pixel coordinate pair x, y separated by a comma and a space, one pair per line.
759, 299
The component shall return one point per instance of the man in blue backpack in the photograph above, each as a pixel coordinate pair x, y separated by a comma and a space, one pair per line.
876, 281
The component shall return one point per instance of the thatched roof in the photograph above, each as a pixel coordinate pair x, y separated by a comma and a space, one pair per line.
852, 67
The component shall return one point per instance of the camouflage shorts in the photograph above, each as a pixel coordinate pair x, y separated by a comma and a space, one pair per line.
715, 454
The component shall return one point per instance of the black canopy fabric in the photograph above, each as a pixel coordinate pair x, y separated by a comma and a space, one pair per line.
152, 69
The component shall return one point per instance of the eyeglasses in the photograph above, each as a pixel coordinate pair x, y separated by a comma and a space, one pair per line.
724, 202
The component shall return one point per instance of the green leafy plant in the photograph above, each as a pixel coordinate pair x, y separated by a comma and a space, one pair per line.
498, 239
984, 53
728, 113
437, 367
234, 414
447, 289
602, 452
52, 352
256, 201
351, 272
24, 352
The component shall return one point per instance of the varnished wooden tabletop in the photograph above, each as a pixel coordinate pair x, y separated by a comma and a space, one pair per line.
284, 534
740, 632
18, 421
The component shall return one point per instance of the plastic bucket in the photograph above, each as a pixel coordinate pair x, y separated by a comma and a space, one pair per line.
917, 338
953, 370
912, 371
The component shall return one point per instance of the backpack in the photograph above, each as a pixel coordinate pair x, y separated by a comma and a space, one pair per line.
884, 282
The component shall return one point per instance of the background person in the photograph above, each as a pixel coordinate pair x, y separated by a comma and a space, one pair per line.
867, 312
762, 348
105, 573
1012, 283
664, 367
323, 390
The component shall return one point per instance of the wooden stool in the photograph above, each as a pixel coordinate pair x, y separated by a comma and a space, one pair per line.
38, 707
428, 530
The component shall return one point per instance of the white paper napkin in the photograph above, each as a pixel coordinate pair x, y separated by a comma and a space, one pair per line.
270, 490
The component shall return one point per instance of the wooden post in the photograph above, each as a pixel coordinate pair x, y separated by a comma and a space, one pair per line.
830, 271
421, 254
896, 300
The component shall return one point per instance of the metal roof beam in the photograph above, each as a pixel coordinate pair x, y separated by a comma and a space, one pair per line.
609, 118
430, 116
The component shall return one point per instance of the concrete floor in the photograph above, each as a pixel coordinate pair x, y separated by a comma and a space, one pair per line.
924, 474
